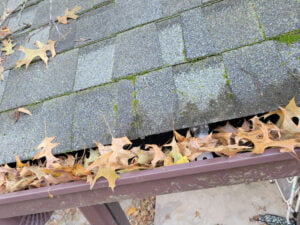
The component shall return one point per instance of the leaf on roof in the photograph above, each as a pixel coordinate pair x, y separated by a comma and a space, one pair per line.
69, 14
41, 52
24, 110
8, 46
4, 31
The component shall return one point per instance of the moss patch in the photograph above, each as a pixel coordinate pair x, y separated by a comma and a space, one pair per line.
288, 38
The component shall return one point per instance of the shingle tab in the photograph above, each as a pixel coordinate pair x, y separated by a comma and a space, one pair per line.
174, 6
37, 83
96, 25
290, 55
231, 24
130, 13
95, 65
49, 9
171, 41
51, 118
137, 50
21, 21
198, 41
111, 103
258, 78
202, 93
156, 102
278, 17
20, 138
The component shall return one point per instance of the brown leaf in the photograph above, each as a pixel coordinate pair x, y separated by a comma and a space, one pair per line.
24, 110
109, 174
46, 147
131, 210
41, 52
103, 149
19, 163
4, 31
120, 157
262, 141
158, 154
69, 14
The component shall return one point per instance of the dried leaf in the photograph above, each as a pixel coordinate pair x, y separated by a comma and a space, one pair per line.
145, 157
94, 154
41, 52
7, 47
109, 174
69, 14
131, 210
263, 141
158, 154
46, 147
19, 163
24, 110
4, 31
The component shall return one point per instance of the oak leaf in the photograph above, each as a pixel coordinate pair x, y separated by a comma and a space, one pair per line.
7, 47
41, 52
69, 14
46, 147
158, 155
262, 141
109, 174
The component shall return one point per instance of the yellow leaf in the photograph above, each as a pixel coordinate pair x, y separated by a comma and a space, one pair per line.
109, 174
131, 210
182, 160
69, 14
24, 110
168, 160
7, 47
19, 163
41, 52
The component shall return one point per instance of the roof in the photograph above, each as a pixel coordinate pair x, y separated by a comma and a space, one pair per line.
143, 64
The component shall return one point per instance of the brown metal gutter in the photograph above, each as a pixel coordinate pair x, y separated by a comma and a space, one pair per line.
191, 176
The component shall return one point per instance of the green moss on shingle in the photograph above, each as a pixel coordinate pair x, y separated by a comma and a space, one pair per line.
288, 38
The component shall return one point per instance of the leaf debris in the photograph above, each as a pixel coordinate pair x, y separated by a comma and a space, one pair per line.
109, 161
41, 52
69, 14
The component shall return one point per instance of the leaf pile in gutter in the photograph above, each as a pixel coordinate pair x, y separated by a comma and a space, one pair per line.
120, 157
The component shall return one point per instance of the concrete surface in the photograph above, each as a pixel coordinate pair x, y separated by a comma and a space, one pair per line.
230, 205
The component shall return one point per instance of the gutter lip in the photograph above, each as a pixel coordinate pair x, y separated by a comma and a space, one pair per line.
198, 167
